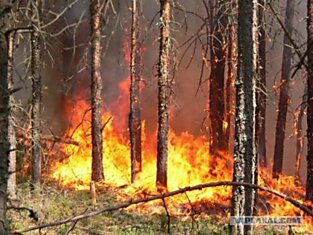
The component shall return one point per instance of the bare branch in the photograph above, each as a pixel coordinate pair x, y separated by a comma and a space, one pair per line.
168, 216
60, 14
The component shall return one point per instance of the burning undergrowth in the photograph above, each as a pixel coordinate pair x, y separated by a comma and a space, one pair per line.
188, 165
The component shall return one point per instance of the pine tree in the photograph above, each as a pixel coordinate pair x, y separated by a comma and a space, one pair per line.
245, 145
284, 92
96, 90
164, 87
4, 118
217, 80
309, 181
134, 114
36, 96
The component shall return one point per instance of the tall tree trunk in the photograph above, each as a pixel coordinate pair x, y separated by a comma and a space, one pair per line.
96, 90
284, 90
309, 181
134, 114
12, 137
217, 81
4, 122
164, 86
245, 146
36, 99
229, 89
261, 91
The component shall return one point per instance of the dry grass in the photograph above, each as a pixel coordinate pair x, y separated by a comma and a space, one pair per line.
54, 203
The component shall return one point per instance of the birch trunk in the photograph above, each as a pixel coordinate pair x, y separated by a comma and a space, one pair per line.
12, 136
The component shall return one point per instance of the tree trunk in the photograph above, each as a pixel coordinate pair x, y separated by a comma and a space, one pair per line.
4, 123
36, 101
309, 181
229, 89
96, 90
134, 114
217, 80
12, 136
284, 90
261, 91
245, 146
164, 86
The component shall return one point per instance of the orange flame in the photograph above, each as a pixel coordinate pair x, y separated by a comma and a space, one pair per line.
188, 165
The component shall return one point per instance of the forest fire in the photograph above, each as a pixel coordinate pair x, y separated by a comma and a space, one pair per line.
188, 165
118, 115
188, 161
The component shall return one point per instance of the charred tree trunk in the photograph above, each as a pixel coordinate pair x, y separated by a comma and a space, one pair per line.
36, 99
96, 91
284, 90
217, 80
164, 86
12, 136
261, 90
245, 146
134, 114
4, 122
309, 181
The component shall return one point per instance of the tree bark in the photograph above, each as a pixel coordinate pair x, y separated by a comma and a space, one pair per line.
164, 86
261, 91
134, 114
284, 92
245, 145
309, 181
217, 80
96, 90
4, 122
12, 135
36, 99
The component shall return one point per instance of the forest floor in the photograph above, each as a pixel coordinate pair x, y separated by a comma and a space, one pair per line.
55, 203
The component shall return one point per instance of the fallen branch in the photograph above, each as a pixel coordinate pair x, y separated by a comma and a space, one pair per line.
170, 194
